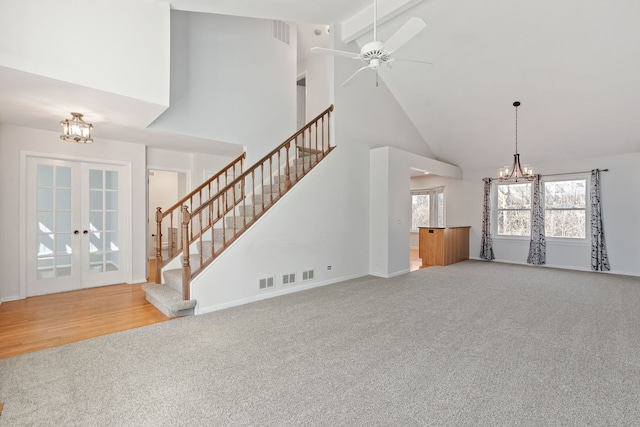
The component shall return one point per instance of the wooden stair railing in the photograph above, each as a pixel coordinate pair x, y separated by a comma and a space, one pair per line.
169, 221
219, 221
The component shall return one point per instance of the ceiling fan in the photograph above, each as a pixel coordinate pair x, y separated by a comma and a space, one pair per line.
377, 53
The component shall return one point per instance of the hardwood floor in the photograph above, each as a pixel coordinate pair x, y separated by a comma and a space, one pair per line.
41, 322
416, 262
46, 321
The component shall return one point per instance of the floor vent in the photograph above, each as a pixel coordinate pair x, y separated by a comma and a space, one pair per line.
265, 283
307, 275
281, 31
288, 279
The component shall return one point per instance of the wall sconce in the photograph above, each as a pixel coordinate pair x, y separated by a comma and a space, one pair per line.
76, 130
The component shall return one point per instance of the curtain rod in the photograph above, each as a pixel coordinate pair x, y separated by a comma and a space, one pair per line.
573, 173
566, 173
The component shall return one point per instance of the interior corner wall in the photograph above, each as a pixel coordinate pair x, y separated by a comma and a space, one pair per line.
76, 41
13, 140
231, 81
379, 204
390, 207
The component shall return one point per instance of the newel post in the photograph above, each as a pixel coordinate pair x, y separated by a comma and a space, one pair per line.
186, 266
158, 266
287, 172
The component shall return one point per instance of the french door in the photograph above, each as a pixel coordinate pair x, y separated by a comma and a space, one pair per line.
74, 225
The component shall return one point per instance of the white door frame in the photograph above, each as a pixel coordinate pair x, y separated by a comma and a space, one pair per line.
151, 219
126, 227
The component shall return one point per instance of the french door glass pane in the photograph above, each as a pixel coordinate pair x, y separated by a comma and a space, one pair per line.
63, 178
111, 180
53, 228
103, 214
95, 200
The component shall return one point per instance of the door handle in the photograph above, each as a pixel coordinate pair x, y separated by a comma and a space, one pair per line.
75, 232
85, 232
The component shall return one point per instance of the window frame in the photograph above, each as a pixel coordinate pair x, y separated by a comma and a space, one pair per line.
587, 208
433, 193
554, 178
495, 210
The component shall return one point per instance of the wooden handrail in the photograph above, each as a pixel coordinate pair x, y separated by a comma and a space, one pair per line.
268, 156
179, 203
259, 181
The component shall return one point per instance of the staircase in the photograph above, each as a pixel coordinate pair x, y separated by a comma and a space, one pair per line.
214, 215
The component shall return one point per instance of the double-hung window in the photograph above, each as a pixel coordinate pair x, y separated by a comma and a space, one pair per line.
427, 208
565, 204
565, 208
513, 209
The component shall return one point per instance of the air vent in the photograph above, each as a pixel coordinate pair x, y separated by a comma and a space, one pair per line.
281, 31
307, 275
288, 279
265, 283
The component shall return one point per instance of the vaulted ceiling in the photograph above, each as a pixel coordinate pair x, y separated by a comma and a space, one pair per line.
573, 64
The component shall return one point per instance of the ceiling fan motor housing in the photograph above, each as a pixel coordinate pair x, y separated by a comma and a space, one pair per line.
374, 51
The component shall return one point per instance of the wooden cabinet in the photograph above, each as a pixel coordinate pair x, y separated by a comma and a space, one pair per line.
443, 246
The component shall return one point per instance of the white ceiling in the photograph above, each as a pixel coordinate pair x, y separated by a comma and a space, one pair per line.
574, 65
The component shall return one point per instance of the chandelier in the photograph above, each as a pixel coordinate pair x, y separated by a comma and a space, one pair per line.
516, 171
76, 130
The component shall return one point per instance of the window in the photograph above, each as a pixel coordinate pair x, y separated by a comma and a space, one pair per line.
513, 210
565, 214
565, 205
427, 208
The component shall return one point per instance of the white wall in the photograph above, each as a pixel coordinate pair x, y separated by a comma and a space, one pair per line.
310, 228
324, 219
620, 208
194, 165
390, 207
15, 139
317, 68
231, 81
117, 46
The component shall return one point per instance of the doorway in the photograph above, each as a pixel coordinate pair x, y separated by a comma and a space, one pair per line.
166, 187
75, 225
301, 100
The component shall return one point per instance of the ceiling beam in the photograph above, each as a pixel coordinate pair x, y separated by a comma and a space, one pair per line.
362, 22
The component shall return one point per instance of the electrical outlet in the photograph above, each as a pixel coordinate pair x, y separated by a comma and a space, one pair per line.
328, 267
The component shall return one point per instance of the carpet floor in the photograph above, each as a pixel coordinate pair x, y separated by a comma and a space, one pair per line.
469, 344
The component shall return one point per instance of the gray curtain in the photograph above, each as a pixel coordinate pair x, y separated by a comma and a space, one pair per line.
486, 252
599, 257
538, 243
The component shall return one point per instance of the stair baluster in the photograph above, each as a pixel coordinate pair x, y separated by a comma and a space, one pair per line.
186, 264
210, 220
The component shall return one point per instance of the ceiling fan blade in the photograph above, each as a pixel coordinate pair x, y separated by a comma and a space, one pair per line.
334, 52
408, 31
410, 60
346, 82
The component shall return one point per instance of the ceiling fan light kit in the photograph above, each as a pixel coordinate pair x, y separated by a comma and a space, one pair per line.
376, 53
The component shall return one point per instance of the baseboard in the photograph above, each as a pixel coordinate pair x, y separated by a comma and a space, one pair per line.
560, 266
389, 276
277, 293
13, 298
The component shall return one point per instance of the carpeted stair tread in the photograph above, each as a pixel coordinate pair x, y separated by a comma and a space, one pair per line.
168, 300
